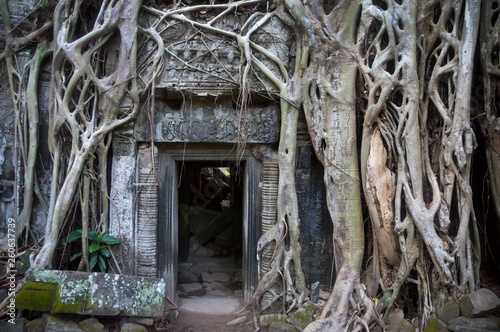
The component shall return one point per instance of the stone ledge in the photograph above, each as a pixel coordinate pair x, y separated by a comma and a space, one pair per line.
99, 294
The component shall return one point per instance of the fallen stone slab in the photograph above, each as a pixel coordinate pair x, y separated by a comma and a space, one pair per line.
480, 303
192, 287
463, 324
217, 276
187, 277
96, 294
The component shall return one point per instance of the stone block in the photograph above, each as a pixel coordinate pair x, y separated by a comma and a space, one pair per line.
435, 325
217, 276
187, 277
192, 287
394, 315
58, 324
480, 303
266, 320
303, 316
401, 325
448, 311
463, 324
133, 327
278, 326
98, 294
91, 325
146, 321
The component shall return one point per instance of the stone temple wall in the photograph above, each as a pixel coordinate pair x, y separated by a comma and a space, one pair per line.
196, 117
11, 160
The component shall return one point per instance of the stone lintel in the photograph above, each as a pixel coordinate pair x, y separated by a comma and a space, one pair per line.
208, 121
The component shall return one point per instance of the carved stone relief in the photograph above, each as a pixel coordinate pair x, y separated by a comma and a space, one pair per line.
208, 64
207, 123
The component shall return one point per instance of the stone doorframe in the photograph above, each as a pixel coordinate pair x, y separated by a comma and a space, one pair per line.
169, 158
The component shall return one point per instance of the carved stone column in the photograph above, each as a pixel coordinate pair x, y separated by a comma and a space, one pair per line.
270, 176
147, 211
122, 194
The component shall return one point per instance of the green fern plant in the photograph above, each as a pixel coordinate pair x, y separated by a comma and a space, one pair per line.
98, 247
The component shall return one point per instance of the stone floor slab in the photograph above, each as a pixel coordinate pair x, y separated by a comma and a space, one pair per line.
211, 305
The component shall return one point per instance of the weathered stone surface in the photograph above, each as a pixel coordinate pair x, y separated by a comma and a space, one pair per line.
205, 252
435, 325
324, 295
400, 325
193, 287
278, 326
394, 315
91, 324
463, 324
217, 276
133, 327
92, 293
209, 64
57, 324
18, 326
303, 316
479, 303
448, 311
266, 320
187, 277
209, 122
122, 193
238, 293
146, 321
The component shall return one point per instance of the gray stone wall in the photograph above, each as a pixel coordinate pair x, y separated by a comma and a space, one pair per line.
11, 160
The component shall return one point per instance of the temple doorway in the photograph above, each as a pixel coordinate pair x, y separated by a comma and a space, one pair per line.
210, 229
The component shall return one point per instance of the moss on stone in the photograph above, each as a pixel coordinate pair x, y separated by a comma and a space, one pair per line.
37, 296
266, 320
304, 316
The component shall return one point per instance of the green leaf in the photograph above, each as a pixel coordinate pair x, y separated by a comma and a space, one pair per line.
108, 239
104, 251
75, 256
92, 236
75, 235
94, 247
102, 264
93, 260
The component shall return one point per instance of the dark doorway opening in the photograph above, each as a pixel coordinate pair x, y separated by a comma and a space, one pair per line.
210, 229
